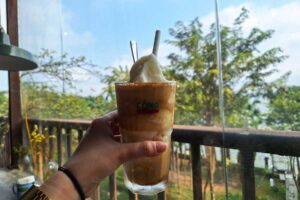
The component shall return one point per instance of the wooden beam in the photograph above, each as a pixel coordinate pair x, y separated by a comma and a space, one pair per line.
15, 116
265, 141
12, 21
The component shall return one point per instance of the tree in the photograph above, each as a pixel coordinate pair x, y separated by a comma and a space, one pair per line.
41, 99
284, 114
60, 68
245, 69
284, 109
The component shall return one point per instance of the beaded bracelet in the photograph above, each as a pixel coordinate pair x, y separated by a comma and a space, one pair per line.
74, 181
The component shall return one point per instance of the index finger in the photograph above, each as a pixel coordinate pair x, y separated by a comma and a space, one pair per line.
111, 117
112, 120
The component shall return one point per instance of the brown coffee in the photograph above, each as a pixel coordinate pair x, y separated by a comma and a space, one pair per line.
146, 112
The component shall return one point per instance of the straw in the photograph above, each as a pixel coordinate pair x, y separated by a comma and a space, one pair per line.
156, 42
134, 50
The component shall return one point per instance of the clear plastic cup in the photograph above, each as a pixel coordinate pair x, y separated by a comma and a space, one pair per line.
146, 112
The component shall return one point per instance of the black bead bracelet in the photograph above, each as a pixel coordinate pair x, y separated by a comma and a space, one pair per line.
74, 181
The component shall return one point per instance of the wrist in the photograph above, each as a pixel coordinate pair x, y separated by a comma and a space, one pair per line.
74, 180
59, 186
84, 174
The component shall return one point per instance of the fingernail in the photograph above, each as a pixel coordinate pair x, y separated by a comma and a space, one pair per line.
160, 147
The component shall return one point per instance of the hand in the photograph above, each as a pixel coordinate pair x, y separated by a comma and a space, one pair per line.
99, 155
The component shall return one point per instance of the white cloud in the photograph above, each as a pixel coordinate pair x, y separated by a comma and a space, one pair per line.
163, 52
122, 60
283, 19
41, 23
79, 74
40, 26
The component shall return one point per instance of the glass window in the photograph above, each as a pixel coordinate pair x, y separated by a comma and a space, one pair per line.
83, 49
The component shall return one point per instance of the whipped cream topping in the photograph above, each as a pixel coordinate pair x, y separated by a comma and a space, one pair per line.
146, 69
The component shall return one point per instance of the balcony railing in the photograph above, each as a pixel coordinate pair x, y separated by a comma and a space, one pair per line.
247, 141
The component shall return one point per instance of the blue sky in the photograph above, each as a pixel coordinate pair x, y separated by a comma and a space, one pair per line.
101, 29
114, 22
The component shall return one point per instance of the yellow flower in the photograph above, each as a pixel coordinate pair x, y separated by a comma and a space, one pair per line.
228, 162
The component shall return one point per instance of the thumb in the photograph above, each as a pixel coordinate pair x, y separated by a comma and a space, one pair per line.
131, 151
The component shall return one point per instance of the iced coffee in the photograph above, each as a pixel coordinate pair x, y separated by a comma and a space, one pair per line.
146, 111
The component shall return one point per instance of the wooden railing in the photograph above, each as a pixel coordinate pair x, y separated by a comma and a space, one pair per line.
247, 141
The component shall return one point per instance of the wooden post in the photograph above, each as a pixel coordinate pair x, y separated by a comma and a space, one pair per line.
59, 146
132, 196
51, 144
113, 186
80, 135
162, 196
15, 116
69, 142
96, 193
196, 168
43, 147
247, 174
40, 161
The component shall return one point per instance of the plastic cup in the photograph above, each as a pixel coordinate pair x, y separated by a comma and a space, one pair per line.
146, 112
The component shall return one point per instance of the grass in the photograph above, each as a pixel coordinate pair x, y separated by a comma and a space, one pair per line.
179, 193
184, 189
122, 190
173, 191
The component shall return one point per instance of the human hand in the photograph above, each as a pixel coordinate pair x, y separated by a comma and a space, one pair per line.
99, 154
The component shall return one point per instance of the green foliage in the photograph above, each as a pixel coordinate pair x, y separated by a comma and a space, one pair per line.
239, 197
231, 197
3, 104
284, 109
21, 150
245, 70
42, 101
116, 75
4, 133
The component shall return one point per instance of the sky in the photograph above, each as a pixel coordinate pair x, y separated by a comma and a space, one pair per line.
101, 29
